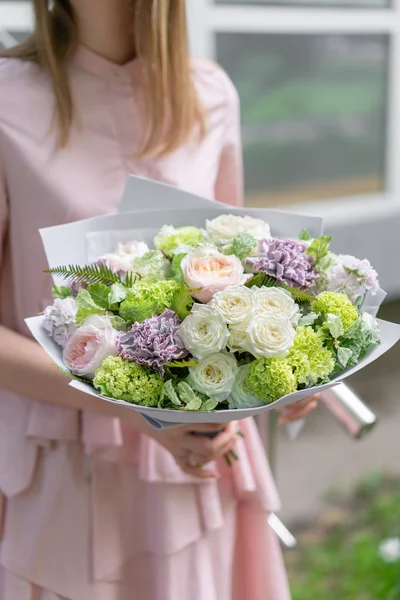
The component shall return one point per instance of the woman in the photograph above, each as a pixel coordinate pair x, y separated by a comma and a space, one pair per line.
94, 506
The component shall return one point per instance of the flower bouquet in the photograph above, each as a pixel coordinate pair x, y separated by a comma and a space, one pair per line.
209, 318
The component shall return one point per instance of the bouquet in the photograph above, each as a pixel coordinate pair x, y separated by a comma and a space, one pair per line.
212, 321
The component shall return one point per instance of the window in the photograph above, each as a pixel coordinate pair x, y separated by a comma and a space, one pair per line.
15, 21
313, 109
319, 82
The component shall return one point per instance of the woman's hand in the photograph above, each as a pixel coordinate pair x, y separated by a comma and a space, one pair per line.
192, 451
299, 410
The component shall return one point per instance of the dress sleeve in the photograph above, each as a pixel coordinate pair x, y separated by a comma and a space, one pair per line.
229, 183
3, 212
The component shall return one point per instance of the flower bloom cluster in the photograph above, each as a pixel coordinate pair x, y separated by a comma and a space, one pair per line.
287, 261
193, 330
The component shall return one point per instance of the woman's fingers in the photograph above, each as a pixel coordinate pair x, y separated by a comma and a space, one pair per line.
298, 412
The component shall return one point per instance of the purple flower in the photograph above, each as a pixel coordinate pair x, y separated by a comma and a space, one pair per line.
154, 343
59, 320
286, 260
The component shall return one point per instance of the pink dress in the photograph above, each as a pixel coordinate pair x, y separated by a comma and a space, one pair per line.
91, 510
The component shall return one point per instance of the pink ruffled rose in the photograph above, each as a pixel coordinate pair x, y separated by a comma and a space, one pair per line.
211, 273
89, 346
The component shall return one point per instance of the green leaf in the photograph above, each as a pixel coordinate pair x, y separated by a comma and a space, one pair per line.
307, 320
177, 273
118, 323
99, 294
344, 355
168, 392
241, 246
182, 302
95, 273
86, 307
319, 248
61, 292
188, 396
335, 326
305, 236
264, 280
117, 294
210, 404
182, 364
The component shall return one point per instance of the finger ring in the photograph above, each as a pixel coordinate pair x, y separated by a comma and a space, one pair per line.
190, 460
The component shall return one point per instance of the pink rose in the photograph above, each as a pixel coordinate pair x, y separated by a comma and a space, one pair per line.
211, 273
89, 346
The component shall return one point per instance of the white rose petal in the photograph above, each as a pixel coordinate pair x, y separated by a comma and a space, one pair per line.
224, 229
204, 331
132, 250
214, 376
117, 263
236, 303
259, 229
238, 337
269, 336
240, 397
277, 301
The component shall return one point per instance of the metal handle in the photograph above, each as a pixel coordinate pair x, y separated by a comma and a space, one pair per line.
349, 410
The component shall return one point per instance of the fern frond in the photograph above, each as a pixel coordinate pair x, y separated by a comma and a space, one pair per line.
89, 274
264, 280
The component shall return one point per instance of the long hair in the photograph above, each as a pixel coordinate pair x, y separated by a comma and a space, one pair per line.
160, 32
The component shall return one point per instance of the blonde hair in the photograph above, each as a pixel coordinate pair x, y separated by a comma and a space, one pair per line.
173, 107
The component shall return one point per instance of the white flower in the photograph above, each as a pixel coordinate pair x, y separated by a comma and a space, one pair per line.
214, 376
353, 277
278, 301
235, 303
60, 320
132, 249
116, 263
124, 255
240, 397
238, 336
224, 229
269, 336
389, 550
259, 229
204, 331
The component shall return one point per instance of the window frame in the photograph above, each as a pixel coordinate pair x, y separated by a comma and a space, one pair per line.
206, 19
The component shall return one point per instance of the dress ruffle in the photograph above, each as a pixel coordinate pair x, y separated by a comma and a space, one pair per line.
136, 499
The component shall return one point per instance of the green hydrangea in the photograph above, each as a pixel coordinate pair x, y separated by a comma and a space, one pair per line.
310, 360
146, 299
333, 303
270, 378
124, 380
152, 266
170, 238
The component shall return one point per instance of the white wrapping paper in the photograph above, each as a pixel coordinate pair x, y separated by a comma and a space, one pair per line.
79, 242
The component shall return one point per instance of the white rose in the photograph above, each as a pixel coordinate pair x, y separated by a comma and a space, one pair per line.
214, 376
224, 229
132, 250
204, 331
238, 336
278, 301
269, 336
236, 303
259, 229
116, 263
240, 397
